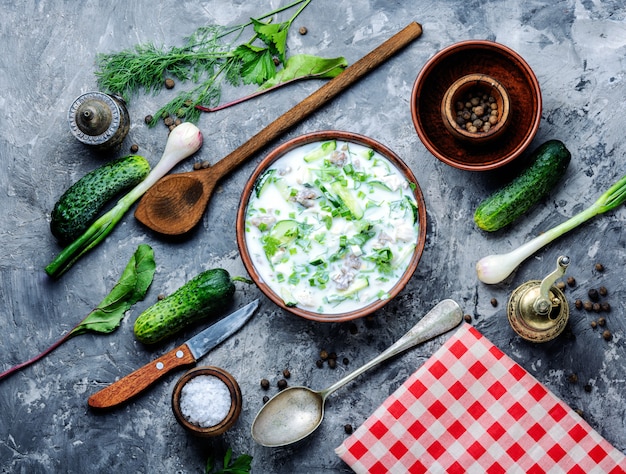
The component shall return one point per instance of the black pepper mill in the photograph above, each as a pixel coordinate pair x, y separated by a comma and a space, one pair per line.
99, 120
537, 310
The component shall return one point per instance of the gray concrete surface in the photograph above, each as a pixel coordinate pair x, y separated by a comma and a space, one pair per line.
577, 49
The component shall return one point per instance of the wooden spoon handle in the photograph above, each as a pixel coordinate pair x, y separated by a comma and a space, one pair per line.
318, 98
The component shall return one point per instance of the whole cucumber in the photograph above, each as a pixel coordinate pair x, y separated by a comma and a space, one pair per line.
503, 207
195, 300
80, 205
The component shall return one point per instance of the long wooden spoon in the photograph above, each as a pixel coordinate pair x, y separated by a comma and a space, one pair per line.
175, 204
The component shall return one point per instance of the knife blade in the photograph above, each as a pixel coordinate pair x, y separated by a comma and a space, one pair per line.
186, 354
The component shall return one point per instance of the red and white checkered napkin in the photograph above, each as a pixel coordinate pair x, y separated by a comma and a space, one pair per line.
470, 408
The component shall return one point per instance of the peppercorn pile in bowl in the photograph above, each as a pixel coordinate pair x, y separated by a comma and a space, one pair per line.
331, 226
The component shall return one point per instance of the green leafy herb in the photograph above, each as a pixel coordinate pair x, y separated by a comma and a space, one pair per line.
383, 259
240, 465
107, 316
304, 66
296, 68
271, 245
208, 58
130, 289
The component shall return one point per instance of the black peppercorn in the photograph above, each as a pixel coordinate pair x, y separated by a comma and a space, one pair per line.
560, 285
147, 119
323, 354
134, 148
319, 363
494, 302
467, 318
265, 384
169, 83
571, 281
303, 30
599, 267
286, 373
601, 322
587, 387
596, 307
593, 324
282, 384
477, 113
266, 399
332, 363
593, 294
347, 428
578, 303
588, 305
607, 335
606, 307
345, 361
603, 291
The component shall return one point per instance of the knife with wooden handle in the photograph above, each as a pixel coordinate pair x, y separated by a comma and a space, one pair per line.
184, 355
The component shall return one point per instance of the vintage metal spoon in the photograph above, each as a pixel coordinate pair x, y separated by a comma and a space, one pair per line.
177, 202
296, 412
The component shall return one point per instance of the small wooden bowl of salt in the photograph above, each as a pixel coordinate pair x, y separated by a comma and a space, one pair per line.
206, 401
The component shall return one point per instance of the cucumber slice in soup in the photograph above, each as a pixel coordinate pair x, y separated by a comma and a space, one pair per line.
356, 286
320, 151
285, 231
349, 199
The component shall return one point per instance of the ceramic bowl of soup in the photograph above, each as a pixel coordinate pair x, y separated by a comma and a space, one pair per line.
331, 225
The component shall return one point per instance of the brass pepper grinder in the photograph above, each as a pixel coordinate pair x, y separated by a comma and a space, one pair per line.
538, 310
99, 120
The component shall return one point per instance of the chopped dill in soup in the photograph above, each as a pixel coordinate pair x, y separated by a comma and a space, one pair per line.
332, 226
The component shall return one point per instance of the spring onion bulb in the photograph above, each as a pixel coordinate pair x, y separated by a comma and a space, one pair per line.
183, 141
495, 268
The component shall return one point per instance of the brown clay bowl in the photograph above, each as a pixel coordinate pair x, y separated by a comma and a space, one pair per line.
231, 416
480, 57
303, 141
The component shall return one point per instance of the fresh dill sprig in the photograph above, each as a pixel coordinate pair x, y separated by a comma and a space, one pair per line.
207, 59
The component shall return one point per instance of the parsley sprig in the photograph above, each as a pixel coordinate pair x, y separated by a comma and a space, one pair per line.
240, 465
207, 59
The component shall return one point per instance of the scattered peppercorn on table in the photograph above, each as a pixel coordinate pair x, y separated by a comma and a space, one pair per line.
576, 51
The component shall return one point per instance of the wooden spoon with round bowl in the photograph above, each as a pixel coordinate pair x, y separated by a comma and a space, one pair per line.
175, 204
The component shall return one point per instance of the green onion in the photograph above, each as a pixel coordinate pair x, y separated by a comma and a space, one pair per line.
183, 141
495, 268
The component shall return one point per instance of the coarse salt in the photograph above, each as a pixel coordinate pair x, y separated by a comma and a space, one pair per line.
205, 400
